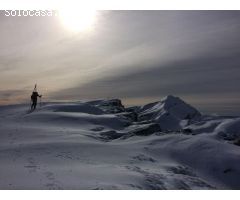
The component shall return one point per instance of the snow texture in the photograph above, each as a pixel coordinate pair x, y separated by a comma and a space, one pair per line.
103, 145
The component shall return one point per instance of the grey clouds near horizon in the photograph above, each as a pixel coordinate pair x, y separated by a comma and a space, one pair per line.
138, 56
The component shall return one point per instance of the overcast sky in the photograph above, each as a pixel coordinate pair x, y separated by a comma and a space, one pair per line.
138, 56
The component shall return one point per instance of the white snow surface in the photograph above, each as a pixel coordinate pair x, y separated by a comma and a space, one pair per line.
169, 112
229, 129
99, 145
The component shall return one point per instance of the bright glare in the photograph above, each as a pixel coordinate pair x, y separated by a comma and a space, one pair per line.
77, 20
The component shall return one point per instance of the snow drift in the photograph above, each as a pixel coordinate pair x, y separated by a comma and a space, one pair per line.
104, 145
229, 129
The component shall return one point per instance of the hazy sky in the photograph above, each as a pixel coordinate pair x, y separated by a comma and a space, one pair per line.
138, 56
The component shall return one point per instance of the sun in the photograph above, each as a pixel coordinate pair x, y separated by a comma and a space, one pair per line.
77, 20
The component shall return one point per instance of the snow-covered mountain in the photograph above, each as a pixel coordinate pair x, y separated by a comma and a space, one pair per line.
171, 113
104, 145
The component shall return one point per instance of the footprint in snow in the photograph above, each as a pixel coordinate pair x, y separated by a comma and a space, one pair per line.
52, 182
178, 178
31, 166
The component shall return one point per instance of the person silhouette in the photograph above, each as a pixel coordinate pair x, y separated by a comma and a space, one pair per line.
34, 98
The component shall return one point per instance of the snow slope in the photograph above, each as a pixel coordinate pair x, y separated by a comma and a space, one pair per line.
169, 112
103, 145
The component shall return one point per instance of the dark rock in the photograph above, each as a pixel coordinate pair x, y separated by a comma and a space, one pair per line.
111, 106
147, 129
129, 115
133, 109
110, 135
227, 170
237, 142
187, 131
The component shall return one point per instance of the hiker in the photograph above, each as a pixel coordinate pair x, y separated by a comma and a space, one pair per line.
34, 97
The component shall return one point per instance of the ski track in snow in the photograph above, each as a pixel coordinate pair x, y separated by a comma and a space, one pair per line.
88, 146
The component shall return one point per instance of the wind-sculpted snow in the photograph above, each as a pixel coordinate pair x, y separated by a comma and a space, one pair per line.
74, 107
229, 129
104, 145
169, 113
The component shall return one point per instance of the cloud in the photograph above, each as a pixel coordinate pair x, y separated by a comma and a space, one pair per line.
130, 54
187, 77
14, 96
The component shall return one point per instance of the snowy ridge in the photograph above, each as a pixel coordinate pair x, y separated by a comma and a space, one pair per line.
104, 145
169, 113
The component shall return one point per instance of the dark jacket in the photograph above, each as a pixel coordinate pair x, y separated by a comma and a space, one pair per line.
34, 96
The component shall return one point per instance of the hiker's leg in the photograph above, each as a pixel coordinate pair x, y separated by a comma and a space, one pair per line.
34, 104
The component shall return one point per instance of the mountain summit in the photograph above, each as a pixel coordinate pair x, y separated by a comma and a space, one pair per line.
170, 112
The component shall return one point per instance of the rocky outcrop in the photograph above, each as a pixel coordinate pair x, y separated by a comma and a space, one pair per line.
109, 106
